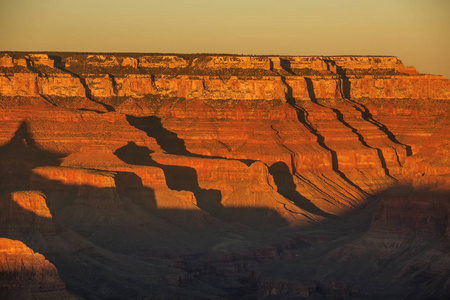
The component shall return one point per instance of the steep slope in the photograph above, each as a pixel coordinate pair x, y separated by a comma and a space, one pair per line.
221, 176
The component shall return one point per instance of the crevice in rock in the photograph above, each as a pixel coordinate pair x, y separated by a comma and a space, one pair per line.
168, 140
287, 188
365, 113
113, 83
47, 99
281, 143
302, 116
286, 65
397, 157
59, 64
340, 118
367, 116
178, 178
35, 70
323, 191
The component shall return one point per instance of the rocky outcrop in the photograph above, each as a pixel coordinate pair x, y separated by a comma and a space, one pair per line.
215, 77
23, 212
25, 274
222, 176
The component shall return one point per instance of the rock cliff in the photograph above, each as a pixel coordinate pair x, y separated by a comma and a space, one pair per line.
223, 176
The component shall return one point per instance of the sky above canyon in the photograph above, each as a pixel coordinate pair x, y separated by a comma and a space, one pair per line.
417, 31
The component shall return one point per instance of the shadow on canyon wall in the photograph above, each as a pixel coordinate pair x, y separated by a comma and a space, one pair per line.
103, 240
19, 156
178, 178
59, 64
123, 220
287, 188
340, 118
168, 140
286, 65
185, 178
302, 116
365, 113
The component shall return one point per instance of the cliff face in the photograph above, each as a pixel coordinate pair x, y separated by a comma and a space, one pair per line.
159, 157
215, 77
24, 273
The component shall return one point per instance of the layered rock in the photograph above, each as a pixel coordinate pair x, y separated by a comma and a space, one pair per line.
314, 101
23, 212
198, 77
25, 274
225, 164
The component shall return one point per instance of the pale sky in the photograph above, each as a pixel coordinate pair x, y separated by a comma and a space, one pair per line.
417, 31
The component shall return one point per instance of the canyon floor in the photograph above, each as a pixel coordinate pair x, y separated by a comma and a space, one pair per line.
156, 176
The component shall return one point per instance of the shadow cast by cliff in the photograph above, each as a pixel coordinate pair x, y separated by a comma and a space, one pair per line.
59, 64
302, 116
168, 140
178, 178
365, 113
19, 156
91, 230
340, 118
287, 188
100, 254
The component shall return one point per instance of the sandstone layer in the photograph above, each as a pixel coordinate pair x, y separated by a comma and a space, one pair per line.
220, 176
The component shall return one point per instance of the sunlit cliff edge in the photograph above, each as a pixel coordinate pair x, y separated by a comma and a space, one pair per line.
221, 176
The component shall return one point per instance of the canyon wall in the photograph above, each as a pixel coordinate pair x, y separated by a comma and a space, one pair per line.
190, 161
215, 77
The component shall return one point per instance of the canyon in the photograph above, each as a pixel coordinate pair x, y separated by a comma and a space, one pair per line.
210, 176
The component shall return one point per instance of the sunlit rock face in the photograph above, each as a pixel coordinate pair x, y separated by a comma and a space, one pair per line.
134, 176
26, 274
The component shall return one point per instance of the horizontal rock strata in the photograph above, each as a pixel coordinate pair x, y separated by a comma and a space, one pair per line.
196, 175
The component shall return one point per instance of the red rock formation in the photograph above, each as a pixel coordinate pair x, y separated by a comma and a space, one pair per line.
129, 149
23, 212
25, 273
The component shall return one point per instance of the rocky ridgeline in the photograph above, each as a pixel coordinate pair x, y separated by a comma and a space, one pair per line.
222, 176
214, 77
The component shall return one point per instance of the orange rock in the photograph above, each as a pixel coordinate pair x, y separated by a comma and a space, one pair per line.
236, 62
100, 86
33, 201
25, 211
25, 273
130, 62
291, 109
102, 60
162, 158
6, 61
401, 86
162, 61
40, 60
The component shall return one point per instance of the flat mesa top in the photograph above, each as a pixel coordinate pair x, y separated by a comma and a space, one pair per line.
204, 64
